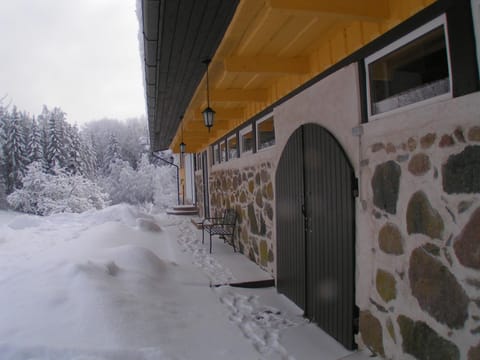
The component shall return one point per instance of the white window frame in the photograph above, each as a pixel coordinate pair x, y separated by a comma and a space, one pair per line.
257, 133
216, 154
476, 25
242, 132
222, 156
199, 161
417, 33
228, 148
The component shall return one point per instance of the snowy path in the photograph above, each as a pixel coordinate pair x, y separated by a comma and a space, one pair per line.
124, 284
259, 324
189, 242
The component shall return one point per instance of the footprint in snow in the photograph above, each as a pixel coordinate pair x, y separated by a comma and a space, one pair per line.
258, 323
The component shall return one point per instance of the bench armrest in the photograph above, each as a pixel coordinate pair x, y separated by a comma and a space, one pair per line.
211, 221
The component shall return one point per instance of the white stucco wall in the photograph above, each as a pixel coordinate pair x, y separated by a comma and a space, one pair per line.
332, 103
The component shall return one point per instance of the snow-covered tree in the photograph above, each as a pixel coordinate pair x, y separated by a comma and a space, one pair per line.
88, 155
58, 141
44, 194
133, 141
35, 144
3, 187
14, 151
3, 139
112, 154
75, 164
3, 194
130, 135
148, 183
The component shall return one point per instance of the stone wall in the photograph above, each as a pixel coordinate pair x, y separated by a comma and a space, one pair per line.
252, 198
421, 204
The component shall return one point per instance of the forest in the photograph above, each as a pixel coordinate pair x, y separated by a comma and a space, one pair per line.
48, 165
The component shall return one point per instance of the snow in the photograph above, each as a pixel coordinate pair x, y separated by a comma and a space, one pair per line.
126, 283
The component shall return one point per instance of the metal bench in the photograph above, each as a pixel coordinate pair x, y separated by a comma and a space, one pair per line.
221, 226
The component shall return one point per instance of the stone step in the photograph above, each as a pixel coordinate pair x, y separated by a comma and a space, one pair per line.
183, 210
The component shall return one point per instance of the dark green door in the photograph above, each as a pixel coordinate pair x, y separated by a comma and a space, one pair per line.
316, 230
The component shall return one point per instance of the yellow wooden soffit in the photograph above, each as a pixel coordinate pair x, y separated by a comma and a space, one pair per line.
361, 9
221, 114
267, 65
239, 95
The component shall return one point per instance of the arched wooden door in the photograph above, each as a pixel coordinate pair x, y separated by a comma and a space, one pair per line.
315, 209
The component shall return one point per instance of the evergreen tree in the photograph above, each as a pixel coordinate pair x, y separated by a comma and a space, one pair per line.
42, 121
3, 138
3, 193
55, 155
112, 154
14, 151
76, 163
3, 187
35, 145
88, 156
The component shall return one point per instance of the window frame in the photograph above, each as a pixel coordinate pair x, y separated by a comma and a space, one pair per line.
414, 35
215, 154
222, 153
245, 130
233, 136
257, 133
475, 4
199, 161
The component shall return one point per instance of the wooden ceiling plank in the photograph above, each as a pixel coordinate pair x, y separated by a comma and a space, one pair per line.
267, 64
239, 95
364, 9
251, 34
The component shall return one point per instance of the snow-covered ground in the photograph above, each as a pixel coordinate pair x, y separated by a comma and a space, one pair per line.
123, 283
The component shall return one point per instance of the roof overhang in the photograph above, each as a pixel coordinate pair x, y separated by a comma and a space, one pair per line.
261, 51
177, 36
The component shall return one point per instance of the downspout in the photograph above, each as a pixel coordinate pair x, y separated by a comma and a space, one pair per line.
178, 177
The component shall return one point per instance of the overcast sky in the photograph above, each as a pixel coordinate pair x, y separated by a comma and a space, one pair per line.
80, 55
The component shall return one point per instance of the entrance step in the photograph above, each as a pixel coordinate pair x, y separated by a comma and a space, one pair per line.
183, 210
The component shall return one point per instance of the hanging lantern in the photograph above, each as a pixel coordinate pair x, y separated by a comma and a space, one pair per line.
208, 113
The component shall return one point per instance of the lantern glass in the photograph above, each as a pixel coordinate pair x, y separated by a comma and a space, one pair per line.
208, 116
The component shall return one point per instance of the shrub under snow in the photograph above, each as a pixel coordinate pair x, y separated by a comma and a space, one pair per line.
45, 194
148, 184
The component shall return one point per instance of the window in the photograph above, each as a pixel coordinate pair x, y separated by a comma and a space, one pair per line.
232, 146
246, 140
216, 159
476, 24
265, 133
199, 161
223, 151
411, 70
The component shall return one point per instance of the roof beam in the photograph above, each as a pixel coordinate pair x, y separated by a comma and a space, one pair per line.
364, 9
239, 95
267, 64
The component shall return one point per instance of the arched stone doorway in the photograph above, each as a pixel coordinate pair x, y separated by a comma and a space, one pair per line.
315, 207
